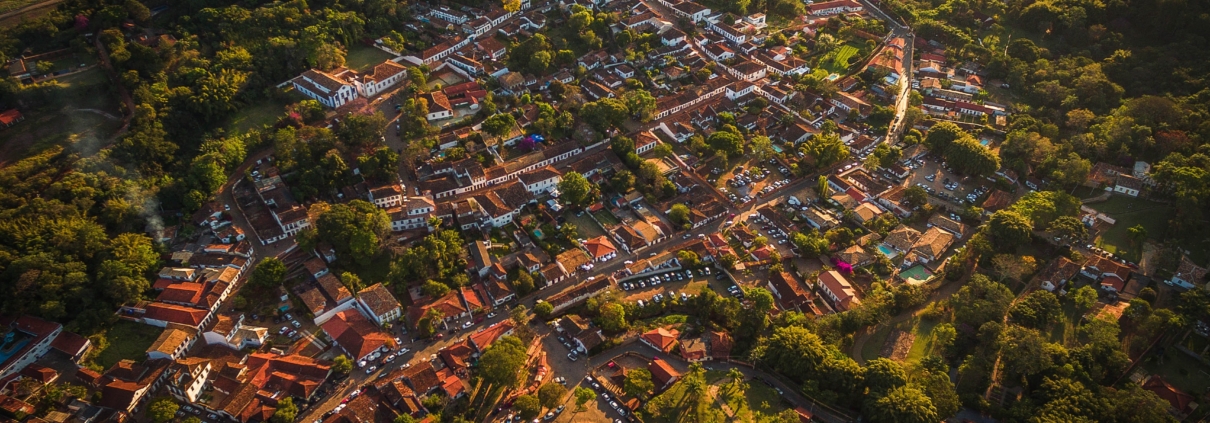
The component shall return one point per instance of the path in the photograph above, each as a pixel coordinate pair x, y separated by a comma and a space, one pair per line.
28, 8
713, 392
99, 112
942, 292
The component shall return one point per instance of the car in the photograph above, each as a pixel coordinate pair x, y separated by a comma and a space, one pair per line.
572, 356
467, 325
390, 358
549, 416
605, 395
561, 380
283, 330
227, 207
491, 315
405, 365
212, 416
613, 405
289, 317
296, 324
371, 369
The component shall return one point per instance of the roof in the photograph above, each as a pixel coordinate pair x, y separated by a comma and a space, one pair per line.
168, 341
487, 336
70, 343
385, 70
841, 288
437, 102
183, 292
854, 255
378, 299
997, 200
663, 339
790, 290
572, 259
934, 242
939, 220
335, 290
175, 314
1178, 399
355, 333
662, 372
902, 238
1187, 270
867, 211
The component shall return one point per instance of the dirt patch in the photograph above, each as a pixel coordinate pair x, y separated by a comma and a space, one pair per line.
898, 345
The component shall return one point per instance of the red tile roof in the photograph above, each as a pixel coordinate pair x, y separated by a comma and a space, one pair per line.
1175, 397
182, 292
175, 314
662, 372
661, 338
600, 247
484, 338
355, 333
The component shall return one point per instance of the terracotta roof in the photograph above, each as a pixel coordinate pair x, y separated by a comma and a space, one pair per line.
386, 70
332, 286
600, 247
662, 372
933, 243
902, 238
720, 343
355, 333
175, 314
168, 341
378, 299
841, 288
997, 200
182, 292
661, 338
70, 343
1178, 399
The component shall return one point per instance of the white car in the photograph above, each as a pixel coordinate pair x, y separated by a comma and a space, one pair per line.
371, 369
468, 324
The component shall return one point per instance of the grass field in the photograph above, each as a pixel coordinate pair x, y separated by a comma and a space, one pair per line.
127, 340
1130, 212
362, 57
62, 122
758, 399
11, 5
1181, 370
840, 61
256, 115
587, 228
606, 218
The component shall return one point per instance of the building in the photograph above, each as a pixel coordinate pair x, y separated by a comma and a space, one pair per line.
837, 7
439, 106
1188, 274
601, 249
26, 339
229, 330
356, 335
10, 117
660, 339
1058, 273
581, 332
330, 89
932, 245
171, 344
838, 289
663, 374
1127, 184
377, 302
789, 291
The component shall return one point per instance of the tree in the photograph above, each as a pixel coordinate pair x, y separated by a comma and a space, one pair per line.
944, 335
613, 317
500, 124
543, 309
502, 362
1137, 234
162, 410
551, 394
362, 131
905, 404
640, 103
434, 289
269, 273
916, 195
662, 150
407, 418
527, 406
1084, 297
822, 187
1009, 229
524, 284
762, 148
1037, 310
980, 301
941, 392
1009, 266
416, 75
679, 214
622, 181
638, 383
883, 375
355, 229
1068, 228
583, 396
727, 143
286, 411
342, 365
575, 189
605, 113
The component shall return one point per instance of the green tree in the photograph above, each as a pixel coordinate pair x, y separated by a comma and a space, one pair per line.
575, 189
500, 124
762, 148
502, 362
883, 375
551, 394
613, 318
915, 195
1037, 310
269, 273
679, 214
286, 411
355, 229
941, 393
1009, 229
638, 383
1138, 234
543, 309
407, 418
435, 289
1068, 228
822, 187
342, 365
727, 143
905, 404
827, 149
641, 104
527, 406
583, 396
162, 410
362, 131
1084, 297
980, 301
622, 181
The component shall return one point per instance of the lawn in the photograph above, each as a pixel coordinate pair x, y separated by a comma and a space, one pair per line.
63, 122
1129, 212
758, 398
1181, 370
587, 228
256, 116
127, 340
606, 218
362, 57
840, 61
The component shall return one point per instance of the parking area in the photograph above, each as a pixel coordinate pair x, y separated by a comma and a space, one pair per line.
604, 408
943, 184
743, 184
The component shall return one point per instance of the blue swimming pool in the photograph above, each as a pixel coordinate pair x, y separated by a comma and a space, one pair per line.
777, 149
887, 251
986, 142
538, 233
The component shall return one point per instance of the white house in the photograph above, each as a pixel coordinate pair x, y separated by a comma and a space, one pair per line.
329, 89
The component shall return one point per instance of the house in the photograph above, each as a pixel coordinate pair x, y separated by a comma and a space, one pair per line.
672, 37
1180, 403
601, 249
1188, 274
384, 76
356, 335
486, 336
949, 225
901, 239
451, 307
855, 256
1104, 174
836, 7
997, 201
1057, 274
171, 344
660, 339
838, 289
229, 330
1127, 184
820, 219
10, 117
932, 245
439, 106
1111, 274
125, 386
25, 340
663, 374
386, 195
581, 331
866, 212
541, 181
577, 294
330, 89
788, 290
377, 302
694, 350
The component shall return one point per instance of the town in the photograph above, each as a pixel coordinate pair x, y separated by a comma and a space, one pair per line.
606, 211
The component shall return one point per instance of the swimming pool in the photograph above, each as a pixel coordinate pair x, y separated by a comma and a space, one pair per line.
986, 142
777, 149
538, 233
887, 251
